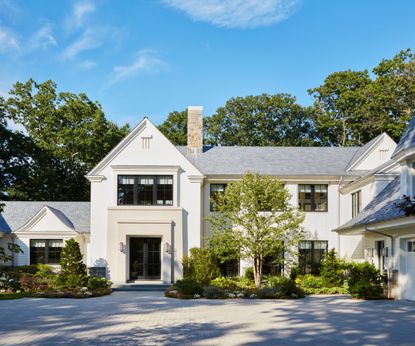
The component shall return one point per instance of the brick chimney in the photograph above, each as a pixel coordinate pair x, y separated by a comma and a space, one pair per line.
195, 129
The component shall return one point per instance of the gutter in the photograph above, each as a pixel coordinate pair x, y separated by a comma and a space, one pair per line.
392, 238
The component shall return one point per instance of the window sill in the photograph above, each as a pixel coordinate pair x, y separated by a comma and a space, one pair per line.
145, 207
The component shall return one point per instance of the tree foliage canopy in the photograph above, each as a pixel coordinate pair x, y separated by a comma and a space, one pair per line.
67, 135
352, 107
254, 219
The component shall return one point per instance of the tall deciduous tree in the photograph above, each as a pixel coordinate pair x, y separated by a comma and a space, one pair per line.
70, 135
175, 127
353, 107
262, 120
254, 219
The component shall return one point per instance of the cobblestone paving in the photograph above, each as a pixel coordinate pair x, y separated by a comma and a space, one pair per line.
142, 318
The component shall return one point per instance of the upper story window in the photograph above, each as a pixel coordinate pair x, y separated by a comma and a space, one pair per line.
145, 190
356, 203
216, 189
45, 251
312, 197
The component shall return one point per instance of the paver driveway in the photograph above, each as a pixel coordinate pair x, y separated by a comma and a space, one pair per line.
130, 318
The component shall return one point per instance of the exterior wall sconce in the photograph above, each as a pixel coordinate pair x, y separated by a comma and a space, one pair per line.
167, 248
122, 247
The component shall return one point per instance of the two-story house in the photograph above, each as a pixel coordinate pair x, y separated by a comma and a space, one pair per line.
149, 200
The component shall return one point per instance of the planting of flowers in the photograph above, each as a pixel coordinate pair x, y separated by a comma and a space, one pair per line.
42, 280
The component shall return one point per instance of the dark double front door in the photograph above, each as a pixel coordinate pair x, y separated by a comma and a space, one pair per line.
145, 258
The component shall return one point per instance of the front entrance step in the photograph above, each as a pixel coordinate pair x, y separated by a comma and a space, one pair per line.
140, 287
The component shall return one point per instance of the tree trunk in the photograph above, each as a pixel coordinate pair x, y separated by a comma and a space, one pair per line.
344, 124
257, 270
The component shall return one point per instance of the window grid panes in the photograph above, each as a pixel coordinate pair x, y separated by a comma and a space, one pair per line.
145, 190
312, 197
310, 255
46, 251
356, 203
216, 189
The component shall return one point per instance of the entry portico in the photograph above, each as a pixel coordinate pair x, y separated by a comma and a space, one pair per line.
128, 223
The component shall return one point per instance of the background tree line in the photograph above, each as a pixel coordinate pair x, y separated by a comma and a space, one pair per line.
67, 134
350, 108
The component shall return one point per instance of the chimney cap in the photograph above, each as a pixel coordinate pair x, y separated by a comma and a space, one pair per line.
196, 108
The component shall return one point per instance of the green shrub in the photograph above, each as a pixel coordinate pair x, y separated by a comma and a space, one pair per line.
284, 287
332, 270
28, 269
316, 285
97, 282
44, 270
213, 292
225, 283
200, 266
309, 281
9, 282
365, 281
73, 269
294, 272
188, 287
72, 280
249, 273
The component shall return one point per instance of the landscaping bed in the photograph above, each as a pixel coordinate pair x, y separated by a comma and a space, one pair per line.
275, 287
42, 281
202, 280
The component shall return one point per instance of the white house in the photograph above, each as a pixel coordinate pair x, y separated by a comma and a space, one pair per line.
149, 200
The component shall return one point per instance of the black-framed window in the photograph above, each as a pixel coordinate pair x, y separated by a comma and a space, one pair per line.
46, 251
273, 264
145, 190
313, 197
356, 203
310, 255
216, 189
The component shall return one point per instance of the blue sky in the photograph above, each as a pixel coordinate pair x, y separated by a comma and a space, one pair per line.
150, 57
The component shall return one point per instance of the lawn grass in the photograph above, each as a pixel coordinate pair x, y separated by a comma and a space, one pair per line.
8, 296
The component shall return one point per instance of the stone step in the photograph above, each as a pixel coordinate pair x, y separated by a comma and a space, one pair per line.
140, 287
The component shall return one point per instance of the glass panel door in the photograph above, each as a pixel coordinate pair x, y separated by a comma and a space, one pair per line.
145, 261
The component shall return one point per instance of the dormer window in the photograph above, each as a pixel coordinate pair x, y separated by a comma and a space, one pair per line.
145, 190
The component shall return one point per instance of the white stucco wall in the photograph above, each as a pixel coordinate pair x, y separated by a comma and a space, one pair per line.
160, 158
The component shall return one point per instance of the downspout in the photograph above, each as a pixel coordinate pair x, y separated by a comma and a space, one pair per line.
389, 274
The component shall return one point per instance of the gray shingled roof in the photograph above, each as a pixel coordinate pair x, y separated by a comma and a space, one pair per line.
74, 214
292, 161
381, 208
361, 150
407, 140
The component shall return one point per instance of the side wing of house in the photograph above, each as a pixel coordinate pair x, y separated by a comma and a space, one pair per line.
378, 170
145, 208
43, 236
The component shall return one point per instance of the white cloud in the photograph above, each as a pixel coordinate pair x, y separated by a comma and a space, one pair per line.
43, 38
145, 61
87, 64
91, 38
8, 40
81, 10
236, 13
